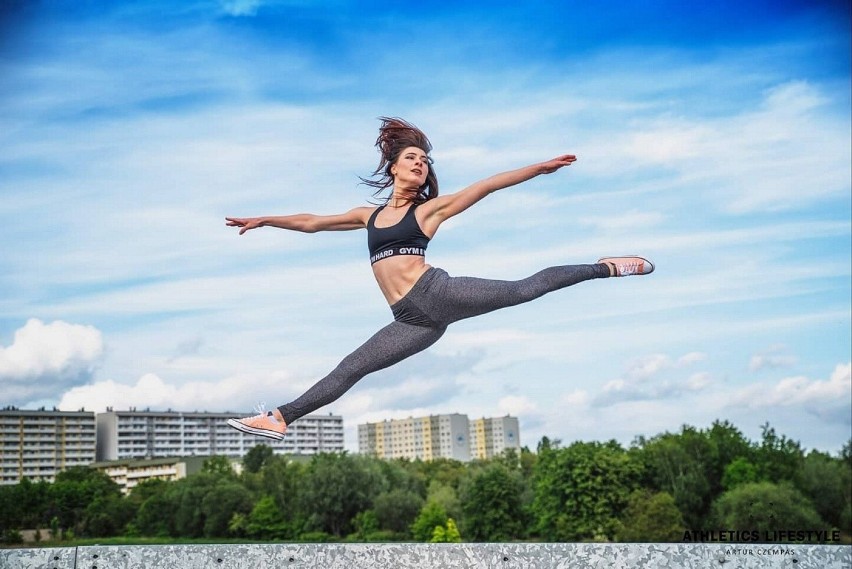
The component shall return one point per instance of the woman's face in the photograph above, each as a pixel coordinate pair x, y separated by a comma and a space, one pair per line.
411, 168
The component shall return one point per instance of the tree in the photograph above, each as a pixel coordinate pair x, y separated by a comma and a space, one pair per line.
256, 457
10, 510
581, 491
740, 471
827, 482
527, 463
365, 524
448, 534
74, 490
779, 458
219, 465
219, 505
156, 513
447, 497
651, 517
396, 510
402, 474
24, 505
336, 487
728, 444
284, 480
107, 516
679, 464
186, 496
764, 506
444, 470
266, 521
491, 501
846, 461
431, 516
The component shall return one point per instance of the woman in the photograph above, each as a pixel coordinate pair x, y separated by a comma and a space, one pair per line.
424, 300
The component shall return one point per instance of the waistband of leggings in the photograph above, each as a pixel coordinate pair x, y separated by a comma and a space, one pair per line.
423, 283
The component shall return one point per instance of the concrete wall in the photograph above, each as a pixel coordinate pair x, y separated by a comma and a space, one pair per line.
435, 556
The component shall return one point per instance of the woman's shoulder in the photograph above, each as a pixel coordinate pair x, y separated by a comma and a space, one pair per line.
364, 210
432, 207
363, 213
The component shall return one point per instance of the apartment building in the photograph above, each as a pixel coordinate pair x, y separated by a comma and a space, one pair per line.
39, 444
425, 438
439, 436
491, 437
135, 434
130, 473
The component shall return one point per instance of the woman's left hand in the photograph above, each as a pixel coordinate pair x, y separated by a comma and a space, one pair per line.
553, 165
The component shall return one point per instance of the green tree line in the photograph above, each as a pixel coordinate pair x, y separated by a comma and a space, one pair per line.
655, 490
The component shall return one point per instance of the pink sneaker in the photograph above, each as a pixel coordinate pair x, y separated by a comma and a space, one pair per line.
264, 425
628, 265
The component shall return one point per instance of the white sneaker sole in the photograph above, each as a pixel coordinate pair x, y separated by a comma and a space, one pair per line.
253, 431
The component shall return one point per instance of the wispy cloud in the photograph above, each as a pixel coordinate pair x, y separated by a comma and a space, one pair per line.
645, 379
240, 7
827, 399
771, 358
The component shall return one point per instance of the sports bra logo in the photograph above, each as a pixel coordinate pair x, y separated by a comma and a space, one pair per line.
398, 251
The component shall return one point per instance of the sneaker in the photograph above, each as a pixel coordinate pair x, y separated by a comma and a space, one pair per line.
264, 425
629, 265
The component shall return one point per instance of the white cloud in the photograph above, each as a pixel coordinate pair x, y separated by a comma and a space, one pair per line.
792, 150
576, 398
517, 406
237, 393
772, 358
44, 359
691, 358
699, 381
794, 98
654, 377
672, 142
240, 7
625, 221
828, 399
812, 411
647, 366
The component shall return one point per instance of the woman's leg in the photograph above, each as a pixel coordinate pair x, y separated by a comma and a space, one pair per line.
388, 346
464, 297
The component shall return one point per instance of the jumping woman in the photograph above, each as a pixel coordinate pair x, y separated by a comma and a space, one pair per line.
424, 300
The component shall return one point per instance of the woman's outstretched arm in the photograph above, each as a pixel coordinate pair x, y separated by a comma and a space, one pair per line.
444, 207
305, 222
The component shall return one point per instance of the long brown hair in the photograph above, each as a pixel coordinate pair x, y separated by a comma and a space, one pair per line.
395, 135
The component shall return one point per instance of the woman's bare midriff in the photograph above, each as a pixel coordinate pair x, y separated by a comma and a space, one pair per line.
396, 275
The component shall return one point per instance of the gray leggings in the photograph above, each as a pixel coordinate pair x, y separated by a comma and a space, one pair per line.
422, 316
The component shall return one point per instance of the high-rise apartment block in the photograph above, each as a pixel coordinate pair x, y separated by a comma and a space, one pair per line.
491, 437
426, 438
39, 444
155, 434
439, 436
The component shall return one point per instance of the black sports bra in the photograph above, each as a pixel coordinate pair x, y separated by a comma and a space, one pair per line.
404, 238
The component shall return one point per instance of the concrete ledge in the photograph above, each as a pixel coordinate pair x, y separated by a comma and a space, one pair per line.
437, 556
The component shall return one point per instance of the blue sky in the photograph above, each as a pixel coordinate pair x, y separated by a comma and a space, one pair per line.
714, 139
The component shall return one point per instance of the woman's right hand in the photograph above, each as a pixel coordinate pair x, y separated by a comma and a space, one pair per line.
244, 223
